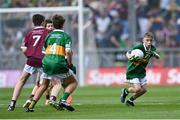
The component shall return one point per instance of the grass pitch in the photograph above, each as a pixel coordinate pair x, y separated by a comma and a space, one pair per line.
100, 103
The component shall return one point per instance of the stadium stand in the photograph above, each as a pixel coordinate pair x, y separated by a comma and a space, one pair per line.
109, 19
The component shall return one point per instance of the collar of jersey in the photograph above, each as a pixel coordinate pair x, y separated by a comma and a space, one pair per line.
38, 27
146, 48
58, 30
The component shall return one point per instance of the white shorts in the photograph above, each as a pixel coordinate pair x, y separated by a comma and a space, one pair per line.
141, 81
32, 70
57, 76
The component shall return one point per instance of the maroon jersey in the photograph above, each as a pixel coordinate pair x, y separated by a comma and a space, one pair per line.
34, 42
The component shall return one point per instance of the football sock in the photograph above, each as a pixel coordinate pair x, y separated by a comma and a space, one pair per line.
53, 98
47, 97
65, 96
132, 98
32, 105
126, 91
13, 103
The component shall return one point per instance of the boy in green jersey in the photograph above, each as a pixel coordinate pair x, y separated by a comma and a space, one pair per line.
56, 66
54, 86
136, 72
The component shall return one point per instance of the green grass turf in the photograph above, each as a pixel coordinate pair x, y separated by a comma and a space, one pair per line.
100, 103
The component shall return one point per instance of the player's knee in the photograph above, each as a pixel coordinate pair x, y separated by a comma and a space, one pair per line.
137, 89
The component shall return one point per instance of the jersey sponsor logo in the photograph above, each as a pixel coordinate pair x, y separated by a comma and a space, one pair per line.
55, 49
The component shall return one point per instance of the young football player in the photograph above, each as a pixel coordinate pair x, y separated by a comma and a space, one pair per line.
32, 48
136, 73
48, 25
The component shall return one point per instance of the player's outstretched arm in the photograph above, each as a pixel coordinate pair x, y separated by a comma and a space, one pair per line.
156, 55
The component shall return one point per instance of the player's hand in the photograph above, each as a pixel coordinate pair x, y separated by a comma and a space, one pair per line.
135, 59
73, 68
156, 55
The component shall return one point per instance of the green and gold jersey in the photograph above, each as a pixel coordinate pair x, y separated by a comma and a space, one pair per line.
135, 70
54, 60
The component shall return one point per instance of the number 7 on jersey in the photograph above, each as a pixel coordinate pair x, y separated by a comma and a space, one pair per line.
36, 38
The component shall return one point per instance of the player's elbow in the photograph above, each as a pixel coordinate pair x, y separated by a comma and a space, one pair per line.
69, 52
158, 57
24, 49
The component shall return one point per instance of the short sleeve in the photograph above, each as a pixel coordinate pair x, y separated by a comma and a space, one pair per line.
25, 41
68, 42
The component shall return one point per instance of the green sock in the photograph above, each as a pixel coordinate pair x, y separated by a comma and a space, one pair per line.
32, 105
65, 96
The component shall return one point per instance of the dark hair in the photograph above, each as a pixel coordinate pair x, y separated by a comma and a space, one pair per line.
47, 21
38, 19
58, 21
149, 34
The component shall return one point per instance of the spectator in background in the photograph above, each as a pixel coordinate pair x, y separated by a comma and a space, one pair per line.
102, 26
114, 35
21, 3
142, 17
122, 8
153, 4
164, 7
178, 32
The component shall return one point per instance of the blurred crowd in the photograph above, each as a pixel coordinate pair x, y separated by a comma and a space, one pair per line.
108, 18
112, 29
35, 3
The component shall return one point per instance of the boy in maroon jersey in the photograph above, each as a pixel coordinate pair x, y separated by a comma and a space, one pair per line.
55, 85
32, 48
48, 25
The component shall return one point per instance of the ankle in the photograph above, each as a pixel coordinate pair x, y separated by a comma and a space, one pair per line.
132, 98
13, 103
